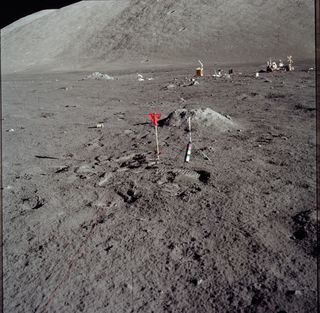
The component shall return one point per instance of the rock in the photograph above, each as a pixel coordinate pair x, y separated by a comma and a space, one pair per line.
125, 158
128, 132
83, 169
105, 179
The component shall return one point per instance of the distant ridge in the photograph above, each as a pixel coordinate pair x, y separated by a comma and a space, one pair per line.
89, 34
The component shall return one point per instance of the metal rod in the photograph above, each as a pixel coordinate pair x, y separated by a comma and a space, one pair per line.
158, 152
189, 121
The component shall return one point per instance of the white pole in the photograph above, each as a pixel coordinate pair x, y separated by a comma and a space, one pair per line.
189, 146
189, 120
158, 153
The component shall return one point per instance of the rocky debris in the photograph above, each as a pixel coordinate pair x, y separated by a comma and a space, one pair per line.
140, 77
99, 76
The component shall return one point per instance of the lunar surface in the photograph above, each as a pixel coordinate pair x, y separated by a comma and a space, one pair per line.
94, 223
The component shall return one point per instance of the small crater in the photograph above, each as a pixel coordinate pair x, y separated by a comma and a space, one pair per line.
290, 293
257, 299
107, 249
272, 95
300, 234
130, 197
302, 218
101, 219
204, 176
194, 281
197, 257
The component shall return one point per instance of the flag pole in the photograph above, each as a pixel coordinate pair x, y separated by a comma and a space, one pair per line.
189, 146
189, 121
158, 152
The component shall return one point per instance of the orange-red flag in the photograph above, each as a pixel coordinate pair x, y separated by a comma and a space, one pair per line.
155, 117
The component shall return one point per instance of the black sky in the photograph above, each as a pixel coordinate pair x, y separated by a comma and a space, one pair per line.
14, 10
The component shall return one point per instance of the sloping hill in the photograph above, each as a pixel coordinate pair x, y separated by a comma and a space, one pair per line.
25, 20
92, 33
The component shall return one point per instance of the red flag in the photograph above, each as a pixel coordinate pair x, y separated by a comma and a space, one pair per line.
155, 117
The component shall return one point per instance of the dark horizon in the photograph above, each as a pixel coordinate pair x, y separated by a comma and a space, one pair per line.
13, 11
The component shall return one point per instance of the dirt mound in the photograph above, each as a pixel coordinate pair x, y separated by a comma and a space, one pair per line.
91, 34
200, 118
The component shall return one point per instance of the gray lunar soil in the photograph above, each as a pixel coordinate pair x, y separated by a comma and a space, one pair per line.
93, 224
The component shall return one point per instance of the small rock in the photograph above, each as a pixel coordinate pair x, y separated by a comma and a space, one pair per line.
62, 169
105, 178
128, 132
126, 158
84, 169
10, 130
200, 281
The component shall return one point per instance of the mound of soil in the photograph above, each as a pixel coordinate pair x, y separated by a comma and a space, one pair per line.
200, 117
